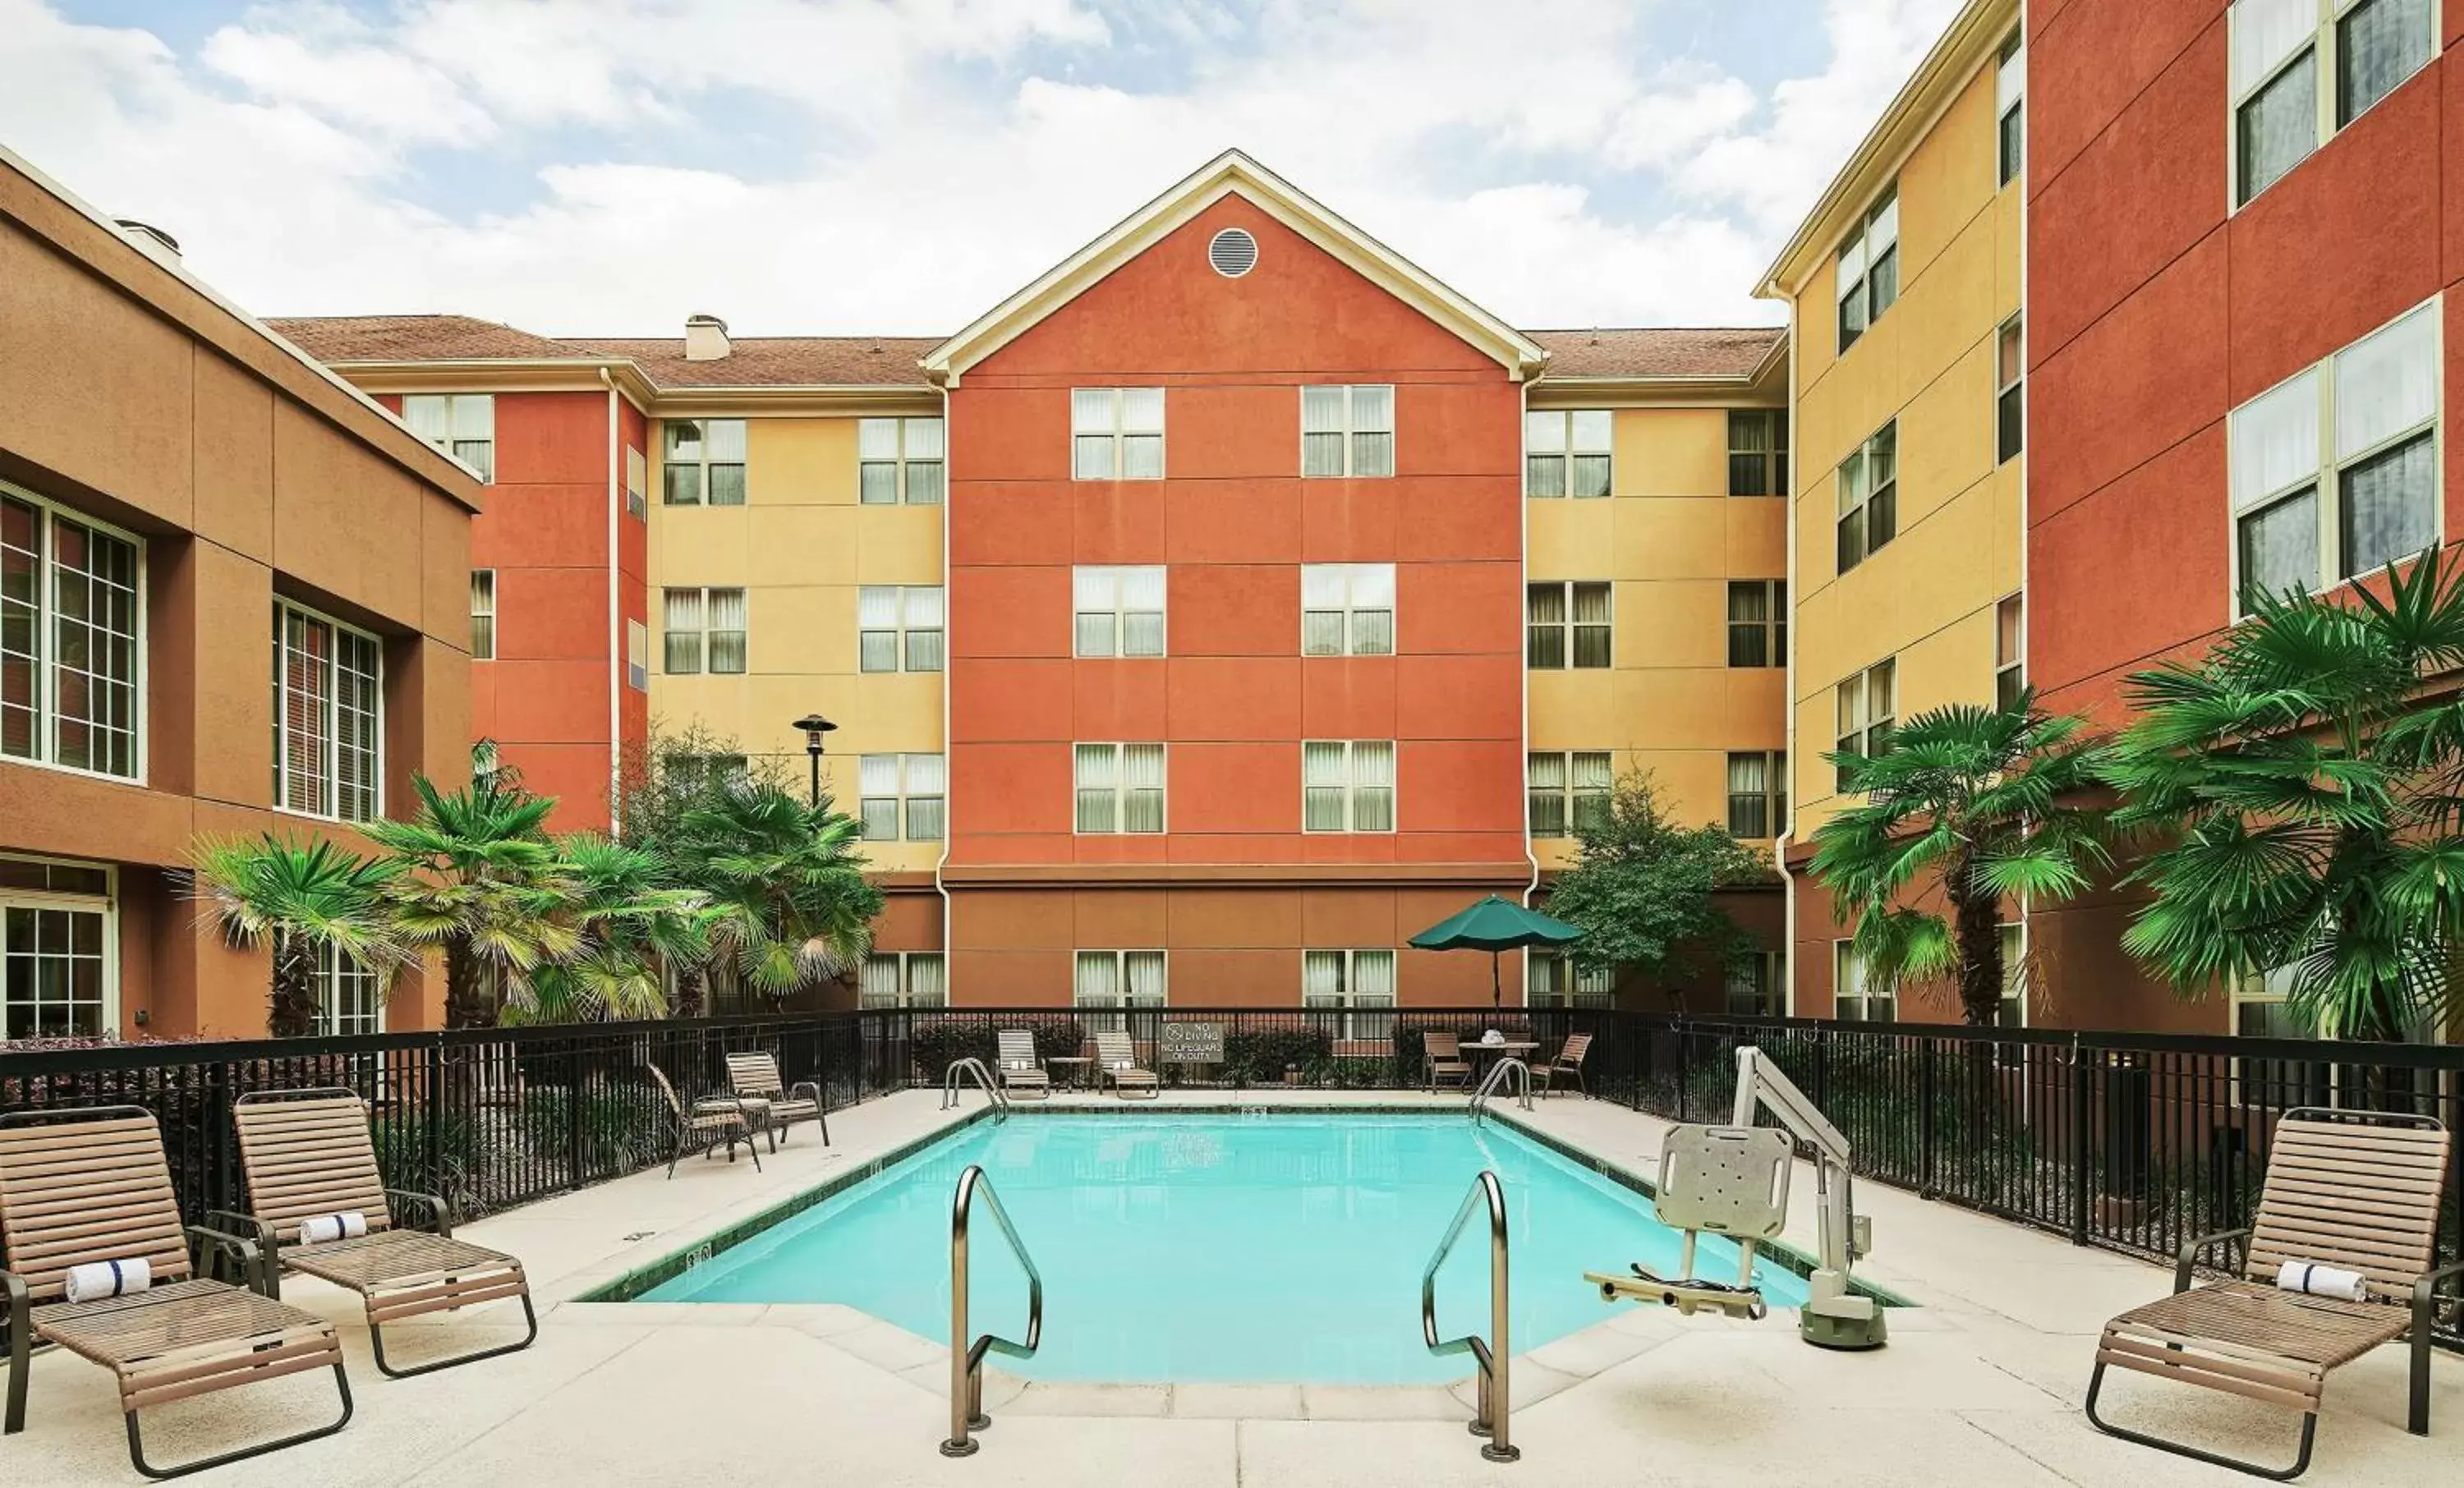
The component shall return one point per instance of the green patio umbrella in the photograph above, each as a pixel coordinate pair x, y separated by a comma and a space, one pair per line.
1494, 925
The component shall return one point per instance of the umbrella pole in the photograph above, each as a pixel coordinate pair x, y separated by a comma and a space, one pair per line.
1496, 996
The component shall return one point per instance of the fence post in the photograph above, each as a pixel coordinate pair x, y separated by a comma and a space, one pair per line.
1924, 1119
431, 1180
1684, 1064
574, 1173
2080, 1094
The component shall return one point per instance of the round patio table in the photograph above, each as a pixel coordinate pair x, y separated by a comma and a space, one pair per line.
1071, 1069
1486, 1054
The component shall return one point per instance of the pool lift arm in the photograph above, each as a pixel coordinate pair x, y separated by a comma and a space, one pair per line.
1833, 1316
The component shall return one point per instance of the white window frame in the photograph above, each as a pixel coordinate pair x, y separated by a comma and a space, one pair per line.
1353, 788
1110, 1016
1565, 436
910, 452
2010, 109
637, 655
1577, 988
330, 810
1102, 592
2010, 388
702, 632
2012, 935
1119, 788
76, 902
1569, 628
1569, 798
2010, 648
1358, 1017
1847, 970
464, 427
2248, 77
1773, 457
637, 484
1871, 720
1360, 585
1102, 413
1859, 468
905, 962
702, 464
909, 628
48, 514
1853, 266
1772, 630
1351, 430
328, 976
483, 608
1773, 794
913, 779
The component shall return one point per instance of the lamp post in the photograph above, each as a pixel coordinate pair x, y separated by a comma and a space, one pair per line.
816, 728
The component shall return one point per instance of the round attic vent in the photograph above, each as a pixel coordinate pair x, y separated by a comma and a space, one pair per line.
1233, 252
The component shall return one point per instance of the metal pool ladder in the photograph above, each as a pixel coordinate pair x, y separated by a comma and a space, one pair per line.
1491, 1355
1000, 1098
1497, 1076
966, 1356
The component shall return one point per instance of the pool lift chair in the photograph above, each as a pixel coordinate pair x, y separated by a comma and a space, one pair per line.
1732, 1181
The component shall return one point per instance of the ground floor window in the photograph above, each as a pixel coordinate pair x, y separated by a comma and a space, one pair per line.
350, 998
1854, 1003
1553, 980
58, 961
1361, 983
1757, 983
1109, 980
2014, 1012
902, 979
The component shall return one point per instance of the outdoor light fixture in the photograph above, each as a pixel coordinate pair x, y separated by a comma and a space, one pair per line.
816, 729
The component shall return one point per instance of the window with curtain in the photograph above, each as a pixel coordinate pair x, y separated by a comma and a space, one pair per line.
704, 462
2010, 662
898, 460
350, 998
2297, 71
1868, 277
705, 632
2333, 473
1358, 986
1757, 793
1868, 487
899, 627
462, 425
637, 485
1566, 792
1569, 452
1756, 984
1867, 706
902, 979
637, 656
1347, 609
1758, 451
1552, 979
1853, 1002
1116, 433
483, 614
1348, 785
901, 788
1120, 788
2009, 106
70, 639
1758, 622
1348, 431
1568, 624
327, 680
1119, 611
2009, 405
1105, 983
58, 971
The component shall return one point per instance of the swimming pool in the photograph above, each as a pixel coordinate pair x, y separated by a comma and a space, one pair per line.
1284, 1248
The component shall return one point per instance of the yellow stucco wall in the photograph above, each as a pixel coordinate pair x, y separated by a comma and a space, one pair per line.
801, 547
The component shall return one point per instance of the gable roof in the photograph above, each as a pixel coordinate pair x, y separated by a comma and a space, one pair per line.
1228, 173
1688, 352
775, 360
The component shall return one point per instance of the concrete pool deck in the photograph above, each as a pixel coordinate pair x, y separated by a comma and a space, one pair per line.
1981, 1383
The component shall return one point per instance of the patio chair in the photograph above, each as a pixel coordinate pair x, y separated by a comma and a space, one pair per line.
713, 1120
91, 1185
1568, 1063
1442, 1058
2357, 1190
1022, 1071
755, 1078
306, 1155
1120, 1062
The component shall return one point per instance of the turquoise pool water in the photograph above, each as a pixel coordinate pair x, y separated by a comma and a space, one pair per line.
1185, 1248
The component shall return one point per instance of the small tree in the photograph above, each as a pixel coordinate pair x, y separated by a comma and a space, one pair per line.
1981, 803
476, 873
1641, 889
788, 899
630, 923
307, 899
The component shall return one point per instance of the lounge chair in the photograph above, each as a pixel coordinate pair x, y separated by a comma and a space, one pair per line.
755, 1079
1022, 1071
1569, 1062
1120, 1062
1442, 1058
306, 1155
2352, 1190
78, 1187
712, 1121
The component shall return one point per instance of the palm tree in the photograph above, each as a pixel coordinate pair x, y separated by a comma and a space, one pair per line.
1980, 802
632, 923
789, 903
476, 873
309, 899
2306, 792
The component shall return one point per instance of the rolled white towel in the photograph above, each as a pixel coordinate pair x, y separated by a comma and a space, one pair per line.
348, 1225
2319, 1279
101, 1279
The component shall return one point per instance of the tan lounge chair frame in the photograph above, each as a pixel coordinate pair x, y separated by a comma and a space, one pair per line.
754, 1075
1118, 1059
1016, 1045
712, 1121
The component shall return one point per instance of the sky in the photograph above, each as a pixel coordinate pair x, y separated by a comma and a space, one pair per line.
899, 166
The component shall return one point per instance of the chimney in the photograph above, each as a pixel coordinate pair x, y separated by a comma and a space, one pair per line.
157, 243
705, 339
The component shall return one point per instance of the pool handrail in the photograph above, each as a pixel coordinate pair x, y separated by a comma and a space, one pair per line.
1492, 1354
967, 1357
983, 1078
1496, 1075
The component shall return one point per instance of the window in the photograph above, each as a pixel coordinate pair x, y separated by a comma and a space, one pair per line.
2010, 662
1869, 268
327, 678
1348, 786
637, 485
1867, 706
2010, 105
1120, 611
899, 629
902, 979
461, 424
704, 463
2014, 1011
706, 631
1758, 793
1852, 1003
1120, 788
890, 786
690, 774
1567, 453
71, 642
1758, 622
2361, 427
483, 614
2010, 401
1869, 496
350, 998
1348, 431
637, 656
2282, 54
1550, 979
1757, 984
1567, 793
1347, 609
898, 460
1108, 981
1758, 451
1360, 983
58, 952
1566, 622
1116, 433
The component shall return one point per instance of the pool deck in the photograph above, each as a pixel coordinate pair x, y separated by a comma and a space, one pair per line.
1980, 1386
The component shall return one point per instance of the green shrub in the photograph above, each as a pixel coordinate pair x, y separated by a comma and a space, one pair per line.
940, 1042
1260, 1059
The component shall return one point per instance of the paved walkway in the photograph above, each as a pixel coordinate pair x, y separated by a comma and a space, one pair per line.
1980, 1386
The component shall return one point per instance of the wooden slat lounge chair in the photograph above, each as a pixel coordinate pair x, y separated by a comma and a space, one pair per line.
754, 1075
712, 1121
1022, 1070
1441, 1055
306, 1154
2357, 1190
92, 1185
1567, 1064
1120, 1062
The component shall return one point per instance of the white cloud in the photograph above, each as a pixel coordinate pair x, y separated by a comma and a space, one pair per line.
948, 150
